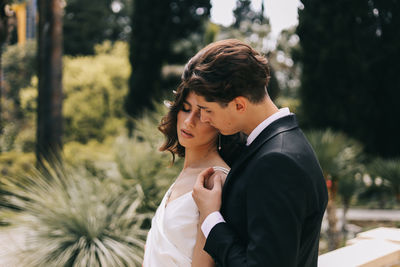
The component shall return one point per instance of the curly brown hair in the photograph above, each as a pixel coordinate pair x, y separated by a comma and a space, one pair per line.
168, 124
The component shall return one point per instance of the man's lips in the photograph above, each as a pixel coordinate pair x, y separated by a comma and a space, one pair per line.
186, 133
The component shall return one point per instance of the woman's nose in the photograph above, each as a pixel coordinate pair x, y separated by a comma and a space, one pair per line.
189, 121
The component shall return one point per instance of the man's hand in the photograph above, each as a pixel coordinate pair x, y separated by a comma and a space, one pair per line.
207, 200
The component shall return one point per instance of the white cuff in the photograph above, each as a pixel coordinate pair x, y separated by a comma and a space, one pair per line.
209, 223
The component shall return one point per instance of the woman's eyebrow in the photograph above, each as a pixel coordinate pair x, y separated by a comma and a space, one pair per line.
187, 103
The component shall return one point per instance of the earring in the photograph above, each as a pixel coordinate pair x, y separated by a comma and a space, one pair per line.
219, 141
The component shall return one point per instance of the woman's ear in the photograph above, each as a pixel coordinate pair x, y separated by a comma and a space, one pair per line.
241, 103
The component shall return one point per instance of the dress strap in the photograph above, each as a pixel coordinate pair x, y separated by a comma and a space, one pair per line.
222, 169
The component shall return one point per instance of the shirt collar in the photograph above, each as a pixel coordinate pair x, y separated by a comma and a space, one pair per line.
264, 124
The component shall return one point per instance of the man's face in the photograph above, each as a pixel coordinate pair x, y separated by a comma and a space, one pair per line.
222, 118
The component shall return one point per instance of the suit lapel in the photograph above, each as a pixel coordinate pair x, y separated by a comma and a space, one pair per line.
281, 125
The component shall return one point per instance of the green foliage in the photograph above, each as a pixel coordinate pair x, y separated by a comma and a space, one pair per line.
211, 33
19, 66
350, 163
74, 219
7, 138
94, 88
341, 159
14, 163
25, 139
328, 146
139, 160
292, 103
285, 63
244, 12
83, 210
95, 157
18, 101
156, 26
94, 91
389, 171
350, 81
86, 24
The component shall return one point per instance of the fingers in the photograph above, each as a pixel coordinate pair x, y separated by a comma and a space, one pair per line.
217, 183
222, 175
205, 174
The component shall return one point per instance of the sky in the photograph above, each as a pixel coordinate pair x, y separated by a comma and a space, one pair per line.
282, 14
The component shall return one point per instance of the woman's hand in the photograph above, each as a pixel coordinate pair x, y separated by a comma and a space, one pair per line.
207, 200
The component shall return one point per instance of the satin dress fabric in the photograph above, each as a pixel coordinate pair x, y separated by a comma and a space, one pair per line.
172, 236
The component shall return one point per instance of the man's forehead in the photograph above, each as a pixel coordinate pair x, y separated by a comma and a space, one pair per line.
201, 102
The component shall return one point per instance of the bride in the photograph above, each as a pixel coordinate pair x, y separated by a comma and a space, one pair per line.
175, 238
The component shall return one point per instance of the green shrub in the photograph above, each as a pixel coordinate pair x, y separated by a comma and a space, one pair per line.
19, 66
97, 158
94, 88
7, 136
14, 163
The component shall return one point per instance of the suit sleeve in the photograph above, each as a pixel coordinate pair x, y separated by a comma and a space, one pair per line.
276, 202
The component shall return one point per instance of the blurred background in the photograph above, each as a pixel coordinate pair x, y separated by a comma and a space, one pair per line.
82, 87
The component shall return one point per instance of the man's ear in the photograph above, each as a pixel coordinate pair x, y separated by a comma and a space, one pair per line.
241, 103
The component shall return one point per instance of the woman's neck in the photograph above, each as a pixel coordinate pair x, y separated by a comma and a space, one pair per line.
200, 157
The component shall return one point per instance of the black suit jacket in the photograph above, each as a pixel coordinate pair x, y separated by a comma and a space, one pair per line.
273, 201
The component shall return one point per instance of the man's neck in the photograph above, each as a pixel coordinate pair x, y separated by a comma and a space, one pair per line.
257, 113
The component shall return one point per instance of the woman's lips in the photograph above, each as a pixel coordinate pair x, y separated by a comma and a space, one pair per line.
186, 134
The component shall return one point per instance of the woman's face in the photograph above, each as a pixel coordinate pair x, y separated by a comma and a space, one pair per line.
192, 133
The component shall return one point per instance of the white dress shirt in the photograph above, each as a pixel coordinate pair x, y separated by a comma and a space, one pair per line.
216, 217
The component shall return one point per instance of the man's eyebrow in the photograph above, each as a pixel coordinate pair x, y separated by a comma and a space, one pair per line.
201, 107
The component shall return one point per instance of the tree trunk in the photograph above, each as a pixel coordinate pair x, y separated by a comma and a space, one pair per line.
148, 51
4, 30
49, 126
333, 234
1, 91
344, 220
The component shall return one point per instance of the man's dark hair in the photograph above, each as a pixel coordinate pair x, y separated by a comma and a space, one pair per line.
225, 70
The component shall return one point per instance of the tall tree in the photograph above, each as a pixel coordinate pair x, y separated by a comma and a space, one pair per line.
156, 26
4, 32
350, 70
242, 12
86, 24
49, 126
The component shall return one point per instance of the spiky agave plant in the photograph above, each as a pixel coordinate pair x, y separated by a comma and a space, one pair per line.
73, 219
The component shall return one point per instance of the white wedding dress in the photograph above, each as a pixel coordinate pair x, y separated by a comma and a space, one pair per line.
171, 239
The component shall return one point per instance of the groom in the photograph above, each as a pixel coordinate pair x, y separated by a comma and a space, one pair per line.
270, 210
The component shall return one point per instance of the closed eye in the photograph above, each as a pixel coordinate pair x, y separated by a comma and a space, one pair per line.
186, 107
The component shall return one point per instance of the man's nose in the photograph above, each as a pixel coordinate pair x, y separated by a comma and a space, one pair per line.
203, 117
